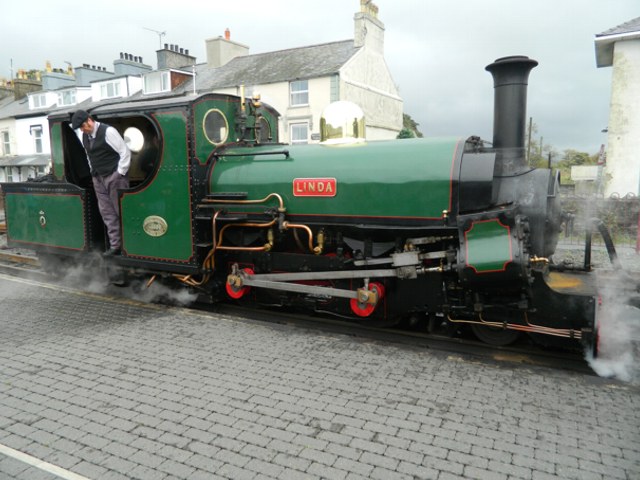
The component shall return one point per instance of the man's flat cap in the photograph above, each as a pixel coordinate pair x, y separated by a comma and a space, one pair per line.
79, 118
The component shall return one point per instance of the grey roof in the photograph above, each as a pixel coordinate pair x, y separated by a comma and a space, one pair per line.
606, 40
626, 27
12, 108
258, 69
34, 160
271, 67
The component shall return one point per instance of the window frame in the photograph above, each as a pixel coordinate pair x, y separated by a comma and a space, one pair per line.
115, 87
299, 88
6, 142
67, 97
295, 125
39, 100
220, 116
164, 82
37, 132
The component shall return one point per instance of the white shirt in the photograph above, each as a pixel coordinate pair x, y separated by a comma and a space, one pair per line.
115, 141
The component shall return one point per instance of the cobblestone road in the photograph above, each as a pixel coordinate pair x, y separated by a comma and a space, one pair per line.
112, 389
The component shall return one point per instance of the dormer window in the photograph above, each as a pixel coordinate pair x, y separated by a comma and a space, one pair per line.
67, 97
156, 82
110, 89
164, 81
39, 100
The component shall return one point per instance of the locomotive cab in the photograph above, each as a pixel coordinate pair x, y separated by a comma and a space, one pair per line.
140, 135
172, 141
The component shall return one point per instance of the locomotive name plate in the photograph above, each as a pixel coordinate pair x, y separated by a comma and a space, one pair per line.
315, 187
155, 226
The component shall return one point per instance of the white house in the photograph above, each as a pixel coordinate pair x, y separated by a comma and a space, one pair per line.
298, 82
301, 82
619, 47
25, 148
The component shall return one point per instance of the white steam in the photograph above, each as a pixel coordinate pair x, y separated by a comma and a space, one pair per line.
92, 275
159, 293
619, 331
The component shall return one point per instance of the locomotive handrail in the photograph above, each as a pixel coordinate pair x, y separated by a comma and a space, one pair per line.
247, 202
253, 154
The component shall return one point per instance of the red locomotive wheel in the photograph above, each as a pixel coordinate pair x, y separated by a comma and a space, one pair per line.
366, 309
235, 292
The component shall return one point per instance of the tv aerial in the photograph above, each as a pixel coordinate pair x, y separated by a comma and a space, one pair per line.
160, 34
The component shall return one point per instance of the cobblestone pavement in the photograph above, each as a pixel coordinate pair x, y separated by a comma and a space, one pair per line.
114, 389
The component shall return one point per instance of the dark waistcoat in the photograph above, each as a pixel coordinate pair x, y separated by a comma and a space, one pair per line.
102, 158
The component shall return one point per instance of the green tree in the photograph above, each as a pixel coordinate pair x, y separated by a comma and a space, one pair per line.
572, 158
406, 133
411, 126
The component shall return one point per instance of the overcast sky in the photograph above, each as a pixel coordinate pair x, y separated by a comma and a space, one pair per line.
436, 49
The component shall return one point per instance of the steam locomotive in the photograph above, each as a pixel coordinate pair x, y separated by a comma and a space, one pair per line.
429, 231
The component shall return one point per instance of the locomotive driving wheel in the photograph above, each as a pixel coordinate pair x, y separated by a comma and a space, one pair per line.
238, 291
363, 308
497, 336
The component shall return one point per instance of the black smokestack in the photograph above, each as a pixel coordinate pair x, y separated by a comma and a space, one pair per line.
510, 76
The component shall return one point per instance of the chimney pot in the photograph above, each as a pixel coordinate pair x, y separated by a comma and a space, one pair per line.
140, 59
166, 46
186, 51
227, 34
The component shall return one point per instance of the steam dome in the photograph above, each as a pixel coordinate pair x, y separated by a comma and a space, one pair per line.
342, 122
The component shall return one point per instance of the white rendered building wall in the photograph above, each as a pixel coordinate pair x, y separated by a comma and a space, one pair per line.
622, 173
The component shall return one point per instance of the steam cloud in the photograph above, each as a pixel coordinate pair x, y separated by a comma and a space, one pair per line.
91, 276
619, 331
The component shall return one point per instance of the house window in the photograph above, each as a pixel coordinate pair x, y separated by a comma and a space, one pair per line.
6, 143
110, 90
36, 132
156, 82
67, 97
9, 174
39, 101
299, 93
299, 132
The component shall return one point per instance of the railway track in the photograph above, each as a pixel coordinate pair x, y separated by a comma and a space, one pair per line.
455, 345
